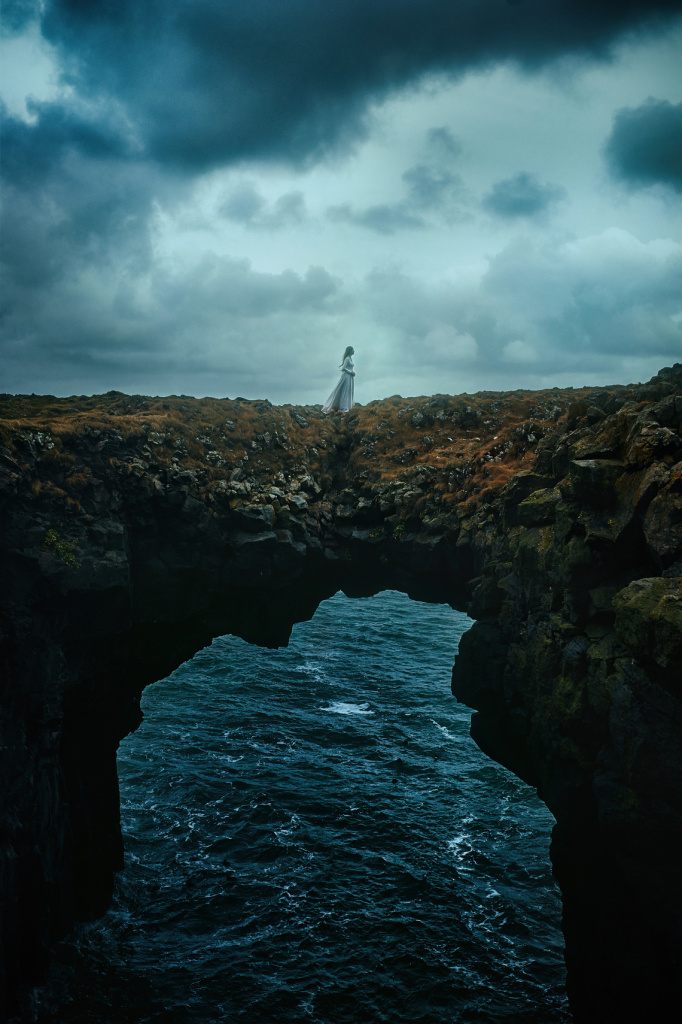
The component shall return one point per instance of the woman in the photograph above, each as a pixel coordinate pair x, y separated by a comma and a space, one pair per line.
342, 396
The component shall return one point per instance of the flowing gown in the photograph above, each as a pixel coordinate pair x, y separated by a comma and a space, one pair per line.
342, 396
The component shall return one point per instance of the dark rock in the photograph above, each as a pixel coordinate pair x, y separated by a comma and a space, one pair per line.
594, 480
486, 598
668, 412
478, 673
522, 485
663, 520
539, 507
649, 621
572, 572
254, 518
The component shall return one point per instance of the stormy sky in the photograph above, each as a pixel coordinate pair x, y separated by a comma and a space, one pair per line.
215, 198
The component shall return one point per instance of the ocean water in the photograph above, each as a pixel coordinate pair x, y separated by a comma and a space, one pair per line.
312, 836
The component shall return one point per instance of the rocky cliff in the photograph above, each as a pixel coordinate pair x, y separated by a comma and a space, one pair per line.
134, 530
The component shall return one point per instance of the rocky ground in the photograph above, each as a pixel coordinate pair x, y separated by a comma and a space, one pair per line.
135, 529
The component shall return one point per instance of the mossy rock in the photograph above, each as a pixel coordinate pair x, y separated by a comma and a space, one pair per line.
649, 620
539, 508
594, 480
535, 547
522, 485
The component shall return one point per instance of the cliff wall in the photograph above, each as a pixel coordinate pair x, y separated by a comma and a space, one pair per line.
134, 530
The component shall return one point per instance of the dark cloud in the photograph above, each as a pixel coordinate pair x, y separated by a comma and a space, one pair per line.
17, 14
204, 82
288, 209
33, 150
431, 189
155, 93
191, 84
245, 205
77, 213
71, 196
645, 145
522, 196
217, 327
384, 219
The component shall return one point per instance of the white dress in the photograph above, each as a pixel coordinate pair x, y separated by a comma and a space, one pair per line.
342, 396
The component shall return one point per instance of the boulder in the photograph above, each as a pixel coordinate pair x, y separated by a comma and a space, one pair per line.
649, 621
663, 524
539, 507
253, 518
594, 480
522, 485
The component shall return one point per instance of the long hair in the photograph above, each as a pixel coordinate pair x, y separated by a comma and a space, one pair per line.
349, 352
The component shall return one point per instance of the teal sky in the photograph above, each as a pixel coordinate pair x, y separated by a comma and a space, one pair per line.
205, 204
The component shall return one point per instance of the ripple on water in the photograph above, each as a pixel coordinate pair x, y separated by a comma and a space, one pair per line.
340, 708
312, 836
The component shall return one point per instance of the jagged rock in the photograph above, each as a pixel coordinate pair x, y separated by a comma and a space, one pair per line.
522, 485
572, 571
254, 518
649, 621
539, 508
594, 414
654, 442
668, 412
594, 480
478, 674
486, 597
663, 522
108, 534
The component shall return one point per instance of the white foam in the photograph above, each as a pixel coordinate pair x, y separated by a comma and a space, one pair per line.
461, 850
446, 732
340, 708
289, 830
316, 671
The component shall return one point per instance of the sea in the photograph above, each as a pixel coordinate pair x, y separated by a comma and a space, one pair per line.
312, 837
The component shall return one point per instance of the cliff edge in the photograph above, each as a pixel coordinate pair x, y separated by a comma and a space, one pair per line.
135, 529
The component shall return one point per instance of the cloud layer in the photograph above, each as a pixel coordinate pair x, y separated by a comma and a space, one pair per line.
522, 196
450, 251
645, 145
203, 82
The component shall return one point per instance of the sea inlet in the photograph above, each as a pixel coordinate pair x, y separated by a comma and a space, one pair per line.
312, 836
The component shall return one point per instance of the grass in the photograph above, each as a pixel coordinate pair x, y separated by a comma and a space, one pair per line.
64, 549
461, 449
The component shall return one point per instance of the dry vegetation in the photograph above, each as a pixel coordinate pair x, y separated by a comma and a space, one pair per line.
459, 450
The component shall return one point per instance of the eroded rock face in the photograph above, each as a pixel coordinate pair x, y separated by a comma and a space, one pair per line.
136, 530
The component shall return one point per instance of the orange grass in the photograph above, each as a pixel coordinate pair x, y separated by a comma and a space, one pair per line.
467, 445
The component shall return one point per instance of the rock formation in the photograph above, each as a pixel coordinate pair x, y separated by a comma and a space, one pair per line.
134, 530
